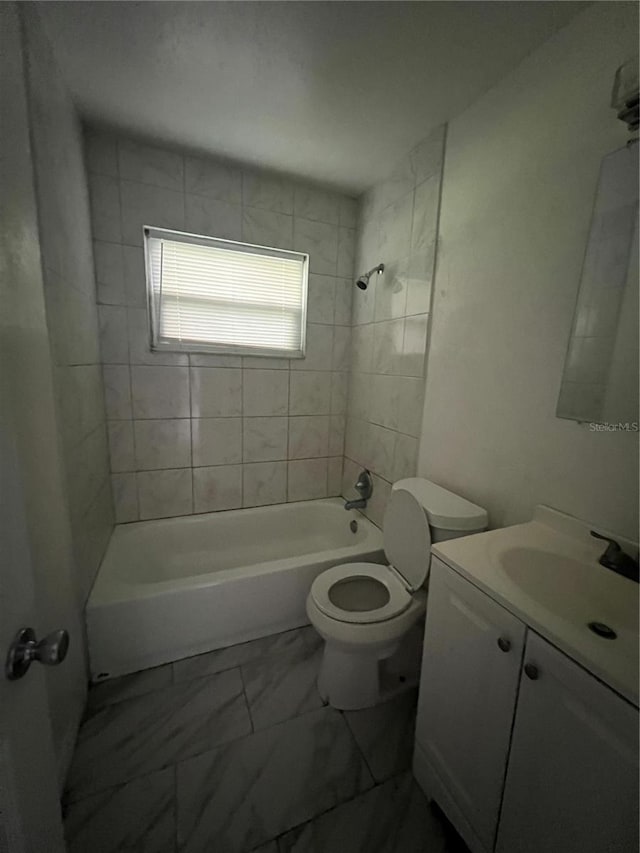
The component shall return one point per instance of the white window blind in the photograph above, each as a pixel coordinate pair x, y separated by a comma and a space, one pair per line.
210, 295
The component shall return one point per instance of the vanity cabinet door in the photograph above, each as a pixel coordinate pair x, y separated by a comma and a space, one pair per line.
572, 782
469, 682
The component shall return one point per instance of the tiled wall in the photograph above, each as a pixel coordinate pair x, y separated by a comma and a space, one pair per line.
201, 433
67, 261
398, 227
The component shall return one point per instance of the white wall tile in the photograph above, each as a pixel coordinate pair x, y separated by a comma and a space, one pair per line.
162, 494
334, 476
265, 392
308, 436
381, 444
162, 444
419, 277
307, 479
343, 299
336, 435
143, 204
150, 165
213, 218
391, 290
349, 212
425, 214
341, 348
339, 389
222, 181
125, 497
135, 286
346, 252
264, 483
312, 203
426, 157
267, 228
109, 273
105, 208
114, 339
267, 191
320, 241
415, 345
405, 458
217, 488
309, 393
121, 452
117, 391
395, 229
321, 299
216, 392
264, 439
160, 392
216, 441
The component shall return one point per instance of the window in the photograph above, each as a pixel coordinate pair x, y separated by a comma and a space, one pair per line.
210, 295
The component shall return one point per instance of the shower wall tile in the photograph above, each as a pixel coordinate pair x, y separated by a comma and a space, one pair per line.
217, 488
307, 479
397, 226
200, 432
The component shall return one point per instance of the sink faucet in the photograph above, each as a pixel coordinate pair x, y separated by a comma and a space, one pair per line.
364, 487
614, 558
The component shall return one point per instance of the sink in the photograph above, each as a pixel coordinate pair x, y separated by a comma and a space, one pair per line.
576, 591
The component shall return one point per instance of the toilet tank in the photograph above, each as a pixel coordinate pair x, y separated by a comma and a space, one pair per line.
449, 515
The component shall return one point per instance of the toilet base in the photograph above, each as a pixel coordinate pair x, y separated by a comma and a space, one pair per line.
353, 680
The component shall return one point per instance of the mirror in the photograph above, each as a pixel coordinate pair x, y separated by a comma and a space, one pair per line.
600, 379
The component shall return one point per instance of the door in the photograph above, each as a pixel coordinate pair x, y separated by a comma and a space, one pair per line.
572, 783
468, 687
29, 806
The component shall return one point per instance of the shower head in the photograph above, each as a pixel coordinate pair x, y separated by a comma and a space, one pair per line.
363, 281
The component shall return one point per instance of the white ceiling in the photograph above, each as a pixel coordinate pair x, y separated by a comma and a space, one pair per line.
332, 91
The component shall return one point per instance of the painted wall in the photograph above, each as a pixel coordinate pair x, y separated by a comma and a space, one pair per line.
398, 227
69, 287
29, 402
519, 181
191, 433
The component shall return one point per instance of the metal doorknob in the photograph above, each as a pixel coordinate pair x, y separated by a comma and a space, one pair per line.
50, 651
531, 671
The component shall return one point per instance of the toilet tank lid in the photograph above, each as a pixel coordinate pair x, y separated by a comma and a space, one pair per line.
444, 509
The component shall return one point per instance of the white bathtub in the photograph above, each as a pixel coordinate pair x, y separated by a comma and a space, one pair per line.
177, 587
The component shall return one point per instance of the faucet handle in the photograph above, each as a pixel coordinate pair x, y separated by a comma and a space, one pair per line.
613, 545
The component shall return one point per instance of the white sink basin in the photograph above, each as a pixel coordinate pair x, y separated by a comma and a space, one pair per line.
577, 591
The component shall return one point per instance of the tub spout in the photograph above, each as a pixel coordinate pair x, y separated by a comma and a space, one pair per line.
358, 504
364, 487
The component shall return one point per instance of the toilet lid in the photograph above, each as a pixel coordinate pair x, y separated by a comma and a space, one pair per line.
407, 538
360, 593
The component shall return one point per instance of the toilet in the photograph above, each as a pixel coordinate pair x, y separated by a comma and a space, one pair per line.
365, 611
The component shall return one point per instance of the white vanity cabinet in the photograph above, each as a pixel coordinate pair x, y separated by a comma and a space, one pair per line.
524, 750
468, 687
572, 779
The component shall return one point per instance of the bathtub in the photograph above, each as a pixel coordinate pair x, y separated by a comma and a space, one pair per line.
177, 587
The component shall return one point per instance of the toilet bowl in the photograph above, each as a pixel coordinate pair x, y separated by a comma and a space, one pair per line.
365, 611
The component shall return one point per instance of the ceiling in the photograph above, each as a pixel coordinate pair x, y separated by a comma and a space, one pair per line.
332, 91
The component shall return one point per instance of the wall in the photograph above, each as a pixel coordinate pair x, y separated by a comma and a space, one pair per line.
202, 433
520, 176
398, 227
69, 286
28, 400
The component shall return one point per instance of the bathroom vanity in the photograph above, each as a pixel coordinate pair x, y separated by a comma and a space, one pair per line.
527, 729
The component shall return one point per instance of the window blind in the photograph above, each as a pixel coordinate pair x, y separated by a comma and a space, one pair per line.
210, 295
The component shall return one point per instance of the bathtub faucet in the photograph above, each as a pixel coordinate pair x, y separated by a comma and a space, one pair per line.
364, 487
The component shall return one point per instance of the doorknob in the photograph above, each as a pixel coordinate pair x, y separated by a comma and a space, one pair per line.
50, 651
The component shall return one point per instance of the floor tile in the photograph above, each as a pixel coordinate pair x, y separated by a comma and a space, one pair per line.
385, 734
248, 792
390, 818
137, 684
146, 733
222, 659
282, 683
137, 816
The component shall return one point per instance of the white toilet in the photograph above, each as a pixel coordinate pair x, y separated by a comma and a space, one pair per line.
363, 611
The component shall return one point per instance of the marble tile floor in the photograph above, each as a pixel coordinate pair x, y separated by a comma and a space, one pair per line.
234, 752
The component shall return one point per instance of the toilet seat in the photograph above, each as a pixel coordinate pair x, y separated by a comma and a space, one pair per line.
398, 601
